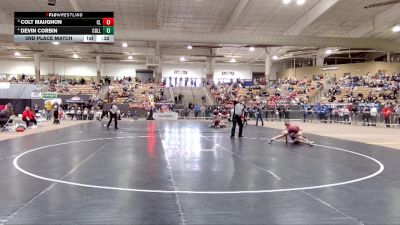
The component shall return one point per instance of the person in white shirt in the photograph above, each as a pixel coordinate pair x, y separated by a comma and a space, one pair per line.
346, 113
397, 113
238, 109
85, 114
341, 114
374, 114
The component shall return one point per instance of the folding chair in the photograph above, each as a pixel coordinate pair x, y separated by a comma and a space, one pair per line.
40, 120
8, 126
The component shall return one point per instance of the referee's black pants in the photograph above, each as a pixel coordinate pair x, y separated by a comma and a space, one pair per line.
113, 116
237, 119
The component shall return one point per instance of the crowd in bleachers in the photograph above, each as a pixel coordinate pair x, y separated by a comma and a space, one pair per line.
72, 86
289, 90
23, 79
377, 88
126, 91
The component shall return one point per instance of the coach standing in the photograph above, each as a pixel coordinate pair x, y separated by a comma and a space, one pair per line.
238, 109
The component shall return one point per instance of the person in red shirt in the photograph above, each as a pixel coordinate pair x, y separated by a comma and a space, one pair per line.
28, 116
387, 112
294, 132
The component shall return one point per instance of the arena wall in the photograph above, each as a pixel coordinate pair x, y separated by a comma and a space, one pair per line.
69, 69
342, 70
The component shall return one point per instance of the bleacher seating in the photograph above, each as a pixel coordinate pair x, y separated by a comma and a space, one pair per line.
289, 90
378, 88
141, 92
77, 90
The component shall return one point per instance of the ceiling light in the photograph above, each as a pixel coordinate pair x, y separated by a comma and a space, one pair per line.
75, 56
189, 47
396, 28
124, 44
287, 2
182, 59
232, 60
252, 49
300, 2
17, 54
56, 43
130, 57
275, 57
328, 52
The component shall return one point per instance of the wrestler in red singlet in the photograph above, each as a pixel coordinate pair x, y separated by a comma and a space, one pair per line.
293, 129
293, 132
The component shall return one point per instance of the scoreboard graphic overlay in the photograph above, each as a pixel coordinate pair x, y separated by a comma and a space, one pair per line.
86, 27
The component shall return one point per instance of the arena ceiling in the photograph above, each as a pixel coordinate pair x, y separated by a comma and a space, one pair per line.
160, 30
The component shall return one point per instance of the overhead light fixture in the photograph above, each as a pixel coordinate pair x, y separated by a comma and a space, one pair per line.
51, 2
232, 60
124, 44
328, 52
130, 57
300, 2
182, 59
275, 57
75, 56
252, 49
396, 28
56, 43
287, 2
189, 47
17, 54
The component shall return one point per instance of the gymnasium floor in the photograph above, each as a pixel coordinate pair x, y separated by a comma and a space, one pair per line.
187, 173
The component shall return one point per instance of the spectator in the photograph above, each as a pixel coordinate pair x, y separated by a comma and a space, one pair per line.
92, 112
346, 112
36, 108
259, 115
71, 113
197, 110
374, 115
56, 109
79, 114
28, 116
6, 114
48, 106
85, 113
366, 116
397, 113
387, 112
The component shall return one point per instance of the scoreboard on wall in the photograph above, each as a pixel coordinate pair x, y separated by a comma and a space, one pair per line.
86, 27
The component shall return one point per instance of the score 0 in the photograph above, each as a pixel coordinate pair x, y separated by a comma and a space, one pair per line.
108, 22
108, 26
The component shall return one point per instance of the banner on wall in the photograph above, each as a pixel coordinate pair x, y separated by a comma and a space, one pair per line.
330, 68
182, 72
49, 95
228, 73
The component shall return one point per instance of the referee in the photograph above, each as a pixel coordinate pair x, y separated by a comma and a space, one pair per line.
113, 115
238, 110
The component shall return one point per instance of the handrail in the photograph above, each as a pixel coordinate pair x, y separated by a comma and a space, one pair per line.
193, 96
207, 94
103, 92
322, 91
